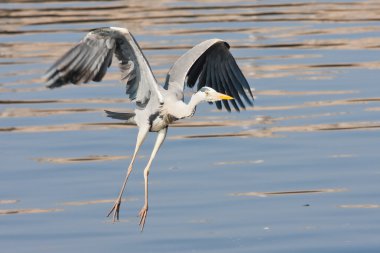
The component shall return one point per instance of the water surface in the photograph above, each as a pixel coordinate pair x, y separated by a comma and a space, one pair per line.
299, 172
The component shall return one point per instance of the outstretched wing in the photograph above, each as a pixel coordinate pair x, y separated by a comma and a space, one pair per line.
210, 63
91, 57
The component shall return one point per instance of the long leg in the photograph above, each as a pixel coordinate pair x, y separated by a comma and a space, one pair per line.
144, 210
143, 132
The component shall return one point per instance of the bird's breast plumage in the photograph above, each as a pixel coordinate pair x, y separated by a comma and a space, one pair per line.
160, 121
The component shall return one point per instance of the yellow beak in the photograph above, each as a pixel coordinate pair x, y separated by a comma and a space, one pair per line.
224, 96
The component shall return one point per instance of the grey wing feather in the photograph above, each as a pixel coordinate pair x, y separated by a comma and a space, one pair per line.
91, 57
210, 63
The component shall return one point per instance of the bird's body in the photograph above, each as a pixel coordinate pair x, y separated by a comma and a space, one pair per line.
209, 65
156, 118
156, 115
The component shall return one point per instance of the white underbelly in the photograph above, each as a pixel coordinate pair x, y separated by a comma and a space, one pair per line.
158, 124
161, 122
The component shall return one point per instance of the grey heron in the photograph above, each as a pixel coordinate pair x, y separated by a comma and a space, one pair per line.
208, 65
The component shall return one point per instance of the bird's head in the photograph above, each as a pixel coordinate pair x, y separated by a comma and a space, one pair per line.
210, 95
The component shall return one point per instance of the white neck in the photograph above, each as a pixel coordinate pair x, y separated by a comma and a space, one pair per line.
189, 108
182, 110
194, 101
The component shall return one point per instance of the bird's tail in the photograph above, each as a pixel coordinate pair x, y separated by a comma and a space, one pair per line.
128, 116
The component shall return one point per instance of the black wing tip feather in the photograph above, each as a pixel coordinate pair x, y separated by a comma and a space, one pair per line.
56, 80
52, 80
55, 85
246, 88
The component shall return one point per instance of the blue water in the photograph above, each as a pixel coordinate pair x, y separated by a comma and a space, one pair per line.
297, 173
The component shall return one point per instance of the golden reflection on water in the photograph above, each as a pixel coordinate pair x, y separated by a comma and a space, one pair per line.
64, 127
316, 104
28, 112
8, 201
95, 202
303, 93
143, 11
272, 132
373, 109
49, 210
67, 101
365, 206
29, 211
342, 156
93, 158
266, 132
239, 162
266, 194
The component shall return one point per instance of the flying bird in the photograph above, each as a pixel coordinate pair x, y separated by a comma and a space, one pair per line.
209, 66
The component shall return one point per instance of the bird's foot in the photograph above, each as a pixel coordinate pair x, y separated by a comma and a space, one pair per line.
143, 213
115, 210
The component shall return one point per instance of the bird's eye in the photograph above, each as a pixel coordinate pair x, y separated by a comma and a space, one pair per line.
207, 93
